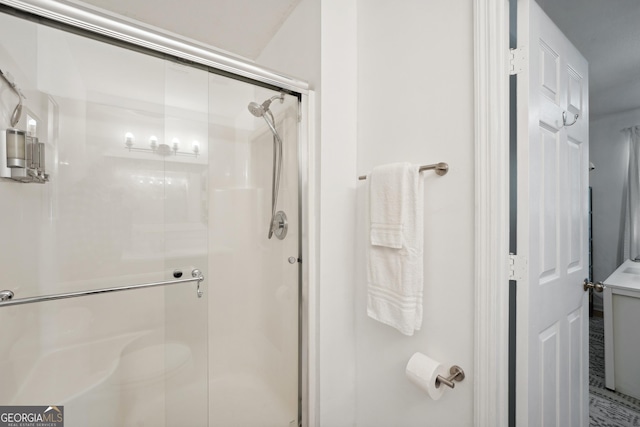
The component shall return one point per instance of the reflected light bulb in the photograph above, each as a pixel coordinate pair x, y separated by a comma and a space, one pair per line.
32, 125
176, 144
128, 139
153, 142
195, 147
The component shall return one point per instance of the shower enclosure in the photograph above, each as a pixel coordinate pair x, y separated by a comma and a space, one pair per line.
156, 168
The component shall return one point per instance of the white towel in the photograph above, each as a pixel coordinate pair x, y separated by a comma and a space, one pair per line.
388, 202
395, 253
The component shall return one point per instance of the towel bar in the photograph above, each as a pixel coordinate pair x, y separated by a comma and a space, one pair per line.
6, 297
457, 374
440, 168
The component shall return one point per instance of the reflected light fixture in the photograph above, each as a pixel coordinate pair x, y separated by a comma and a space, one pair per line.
128, 140
161, 148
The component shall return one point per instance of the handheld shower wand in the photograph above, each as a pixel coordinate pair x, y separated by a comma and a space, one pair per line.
259, 110
262, 110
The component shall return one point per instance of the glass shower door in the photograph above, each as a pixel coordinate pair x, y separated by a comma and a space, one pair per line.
126, 204
253, 299
186, 180
157, 168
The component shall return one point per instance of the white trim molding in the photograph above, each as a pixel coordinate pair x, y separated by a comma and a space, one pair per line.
491, 78
309, 254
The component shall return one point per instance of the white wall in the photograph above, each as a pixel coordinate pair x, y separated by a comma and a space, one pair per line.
389, 93
337, 213
415, 103
295, 48
609, 153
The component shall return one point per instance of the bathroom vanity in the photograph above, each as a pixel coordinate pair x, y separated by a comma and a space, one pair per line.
622, 330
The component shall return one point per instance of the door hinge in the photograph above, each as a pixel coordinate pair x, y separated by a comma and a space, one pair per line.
517, 60
518, 267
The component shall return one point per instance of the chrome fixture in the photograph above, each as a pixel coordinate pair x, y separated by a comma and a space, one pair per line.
456, 374
24, 154
25, 157
564, 119
162, 148
280, 226
34, 169
440, 168
6, 297
17, 112
262, 110
259, 110
197, 274
16, 141
597, 287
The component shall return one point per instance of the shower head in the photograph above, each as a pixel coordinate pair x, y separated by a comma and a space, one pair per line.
259, 110
256, 109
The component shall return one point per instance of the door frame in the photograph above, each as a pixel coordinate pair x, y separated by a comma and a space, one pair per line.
491, 124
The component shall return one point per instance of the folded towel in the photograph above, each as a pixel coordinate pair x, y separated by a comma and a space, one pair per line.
389, 187
395, 254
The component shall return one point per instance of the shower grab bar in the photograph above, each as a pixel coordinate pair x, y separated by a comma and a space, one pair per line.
440, 168
6, 296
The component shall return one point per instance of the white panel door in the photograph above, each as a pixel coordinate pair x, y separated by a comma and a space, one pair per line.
552, 313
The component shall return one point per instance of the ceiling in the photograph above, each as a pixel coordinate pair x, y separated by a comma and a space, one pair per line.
608, 36
242, 27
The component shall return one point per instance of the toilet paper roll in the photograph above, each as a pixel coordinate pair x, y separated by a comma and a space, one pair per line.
422, 371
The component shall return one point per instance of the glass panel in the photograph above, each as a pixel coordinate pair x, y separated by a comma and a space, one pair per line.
253, 305
186, 246
111, 215
156, 169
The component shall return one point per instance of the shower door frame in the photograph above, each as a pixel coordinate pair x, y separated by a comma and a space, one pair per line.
120, 30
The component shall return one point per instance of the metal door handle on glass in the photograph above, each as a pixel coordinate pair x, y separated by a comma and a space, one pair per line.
6, 297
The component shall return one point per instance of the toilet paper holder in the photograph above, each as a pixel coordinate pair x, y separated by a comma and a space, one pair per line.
457, 374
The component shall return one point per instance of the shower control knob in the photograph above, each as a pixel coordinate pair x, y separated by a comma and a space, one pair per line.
597, 287
292, 260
